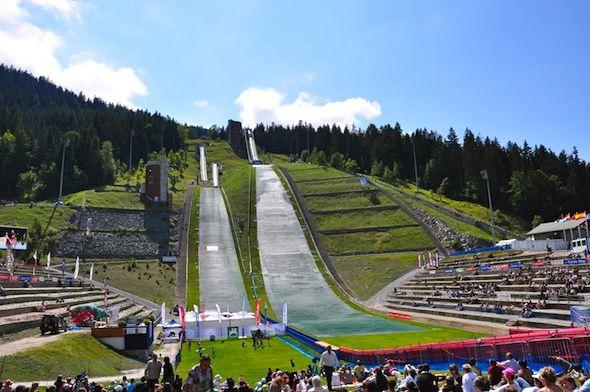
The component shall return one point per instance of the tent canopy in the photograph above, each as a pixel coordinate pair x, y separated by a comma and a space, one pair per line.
552, 227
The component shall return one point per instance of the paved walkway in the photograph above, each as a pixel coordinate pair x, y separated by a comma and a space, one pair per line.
220, 280
291, 274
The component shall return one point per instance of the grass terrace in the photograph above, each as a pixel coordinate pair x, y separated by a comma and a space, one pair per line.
367, 274
345, 201
400, 239
365, 218
306, 171
336, 185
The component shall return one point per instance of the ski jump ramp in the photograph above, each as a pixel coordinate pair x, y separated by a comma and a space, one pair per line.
251, 147
291, 274
203, 163
220, 280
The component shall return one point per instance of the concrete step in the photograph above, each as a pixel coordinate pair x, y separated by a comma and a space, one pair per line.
10, 324
13, 309
515, 294
563, 305
557, 314
131, 311
534, 322
42, 290
501, 287
20, 298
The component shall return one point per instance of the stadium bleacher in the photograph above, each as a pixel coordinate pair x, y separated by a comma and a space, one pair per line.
22, 304
533, 291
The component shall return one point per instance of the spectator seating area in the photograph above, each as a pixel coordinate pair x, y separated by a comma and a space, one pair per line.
491, 293
23, 304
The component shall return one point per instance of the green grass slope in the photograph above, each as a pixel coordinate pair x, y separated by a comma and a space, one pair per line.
477, 211
77, 352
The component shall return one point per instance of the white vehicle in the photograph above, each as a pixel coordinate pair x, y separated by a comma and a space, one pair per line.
580, 245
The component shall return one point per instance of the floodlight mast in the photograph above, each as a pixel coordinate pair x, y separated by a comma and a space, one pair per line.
485, 175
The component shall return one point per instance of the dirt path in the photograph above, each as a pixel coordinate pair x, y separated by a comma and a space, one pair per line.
19, 345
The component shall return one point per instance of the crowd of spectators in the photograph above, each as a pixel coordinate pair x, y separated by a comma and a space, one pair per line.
509, 375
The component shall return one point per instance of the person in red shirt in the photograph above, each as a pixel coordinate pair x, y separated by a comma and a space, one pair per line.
495, 372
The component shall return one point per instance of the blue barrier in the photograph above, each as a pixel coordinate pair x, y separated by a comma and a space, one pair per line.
305, 339
479, 250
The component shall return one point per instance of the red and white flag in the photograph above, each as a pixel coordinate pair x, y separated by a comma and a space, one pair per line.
258, 319
182, 318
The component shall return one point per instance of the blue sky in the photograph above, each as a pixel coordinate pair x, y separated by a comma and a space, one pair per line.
512, 69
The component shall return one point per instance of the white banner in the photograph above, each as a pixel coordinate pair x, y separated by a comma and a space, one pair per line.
504, 296
77, 268
163, 312
48, 259
285, 313
114, 315
218, 312
91, 270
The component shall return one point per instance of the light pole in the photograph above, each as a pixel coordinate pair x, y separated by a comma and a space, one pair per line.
415, 163
131, 150
484, 174
61, 179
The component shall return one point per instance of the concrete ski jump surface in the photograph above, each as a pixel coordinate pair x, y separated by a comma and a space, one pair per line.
291, 275
220, 280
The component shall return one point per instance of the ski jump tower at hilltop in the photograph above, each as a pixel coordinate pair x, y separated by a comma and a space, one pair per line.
242, 141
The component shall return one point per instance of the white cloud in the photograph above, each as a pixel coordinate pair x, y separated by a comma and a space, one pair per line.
265, 105
33, 48
201, 103
66, 8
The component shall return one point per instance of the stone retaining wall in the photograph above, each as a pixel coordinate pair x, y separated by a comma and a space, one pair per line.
120, 233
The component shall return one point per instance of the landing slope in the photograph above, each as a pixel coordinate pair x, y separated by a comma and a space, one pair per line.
220, 280
291, 275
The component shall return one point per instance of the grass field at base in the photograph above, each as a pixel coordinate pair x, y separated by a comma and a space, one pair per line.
69, 356
367, 274
400, 239
232, 360
431, 334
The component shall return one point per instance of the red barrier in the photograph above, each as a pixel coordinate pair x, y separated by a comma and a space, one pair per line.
401, 316
548, 342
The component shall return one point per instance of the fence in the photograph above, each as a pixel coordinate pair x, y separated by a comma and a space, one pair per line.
479, 250
538, 347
